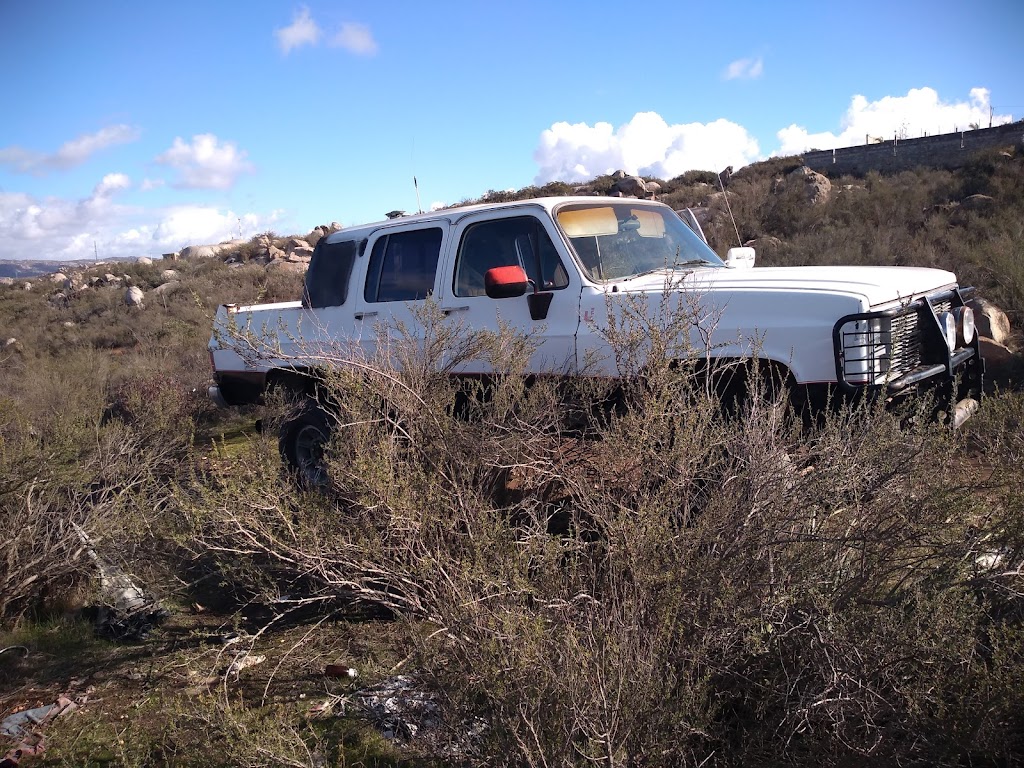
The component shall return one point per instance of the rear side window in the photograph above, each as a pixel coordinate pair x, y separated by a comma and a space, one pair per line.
329, 272
403, 266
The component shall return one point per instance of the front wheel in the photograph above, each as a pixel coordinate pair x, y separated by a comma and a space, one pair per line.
303, 438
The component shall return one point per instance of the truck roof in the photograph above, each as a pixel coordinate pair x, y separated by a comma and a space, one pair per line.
452, 214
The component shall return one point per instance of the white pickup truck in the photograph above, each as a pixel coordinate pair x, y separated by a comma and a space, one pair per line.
557, 269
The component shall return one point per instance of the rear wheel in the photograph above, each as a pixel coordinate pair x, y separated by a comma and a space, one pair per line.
303, 438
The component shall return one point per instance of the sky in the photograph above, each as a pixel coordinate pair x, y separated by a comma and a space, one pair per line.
136, 128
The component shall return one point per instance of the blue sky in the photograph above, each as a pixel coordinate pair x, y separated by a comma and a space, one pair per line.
145, 127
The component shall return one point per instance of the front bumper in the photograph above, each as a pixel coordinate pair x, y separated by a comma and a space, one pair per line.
901, 350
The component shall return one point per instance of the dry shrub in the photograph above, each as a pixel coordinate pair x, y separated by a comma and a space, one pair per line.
647, 585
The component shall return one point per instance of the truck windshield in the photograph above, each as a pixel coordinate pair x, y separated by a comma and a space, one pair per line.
620, 240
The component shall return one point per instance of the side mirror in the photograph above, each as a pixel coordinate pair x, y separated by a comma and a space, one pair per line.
740, 258
506, 282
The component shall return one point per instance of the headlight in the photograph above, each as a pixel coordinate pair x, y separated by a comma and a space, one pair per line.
948, 325
964, 317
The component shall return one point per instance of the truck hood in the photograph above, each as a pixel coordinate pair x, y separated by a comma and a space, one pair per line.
876, 286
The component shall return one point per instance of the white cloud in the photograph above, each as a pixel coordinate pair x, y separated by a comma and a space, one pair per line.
646, 145
206, 162
69, 154
65, 229
355, 38
744, 69
437, 205
148, 184
302, 31
200, 224
921, 111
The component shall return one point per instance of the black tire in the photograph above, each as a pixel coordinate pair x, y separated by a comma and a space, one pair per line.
303, 437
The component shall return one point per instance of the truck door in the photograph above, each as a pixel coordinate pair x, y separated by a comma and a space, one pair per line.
509, 238
401, 273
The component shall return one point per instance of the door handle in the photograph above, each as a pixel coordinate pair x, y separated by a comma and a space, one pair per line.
449, 310
361, 315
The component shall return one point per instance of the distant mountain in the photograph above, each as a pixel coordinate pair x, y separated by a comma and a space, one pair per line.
25, 269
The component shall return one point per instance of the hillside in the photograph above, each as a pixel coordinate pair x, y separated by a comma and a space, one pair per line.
547, 583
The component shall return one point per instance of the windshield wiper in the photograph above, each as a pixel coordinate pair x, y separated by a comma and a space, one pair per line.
673, 267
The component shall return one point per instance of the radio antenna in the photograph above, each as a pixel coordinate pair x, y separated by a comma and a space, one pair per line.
416, 184
728, 207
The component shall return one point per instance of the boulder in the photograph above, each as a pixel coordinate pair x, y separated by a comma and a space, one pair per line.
58, 277
10, 342
144, 260
717, 200
200, 251
817, 188
287, 266
999, 359
295, 244
977, 203
166, 289
990, 320
630, 186
766, 244
274, 253
134, 296
27, 286
169, 274
68, 324
59, 300
6, 281
335, 226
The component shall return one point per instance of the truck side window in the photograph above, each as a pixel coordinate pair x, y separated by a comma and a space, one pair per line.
329, 273
403, 266
503, 243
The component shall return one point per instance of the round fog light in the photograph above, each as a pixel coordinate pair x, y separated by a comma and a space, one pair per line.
965, 330
948, 325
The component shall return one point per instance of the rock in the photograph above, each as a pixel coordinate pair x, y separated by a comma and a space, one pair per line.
288, 266
68, 324
144, 260
653, 188
717, 200
977, 202
726, 175
59, 300
766, 244
999, 359
200, 251
169, 274
27, 286
335, 226
6, 281
630, 186
58, 277
294, 243
619, 175
274, 253
990, 320
817, 188
10, 342
167, 288
134, 296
